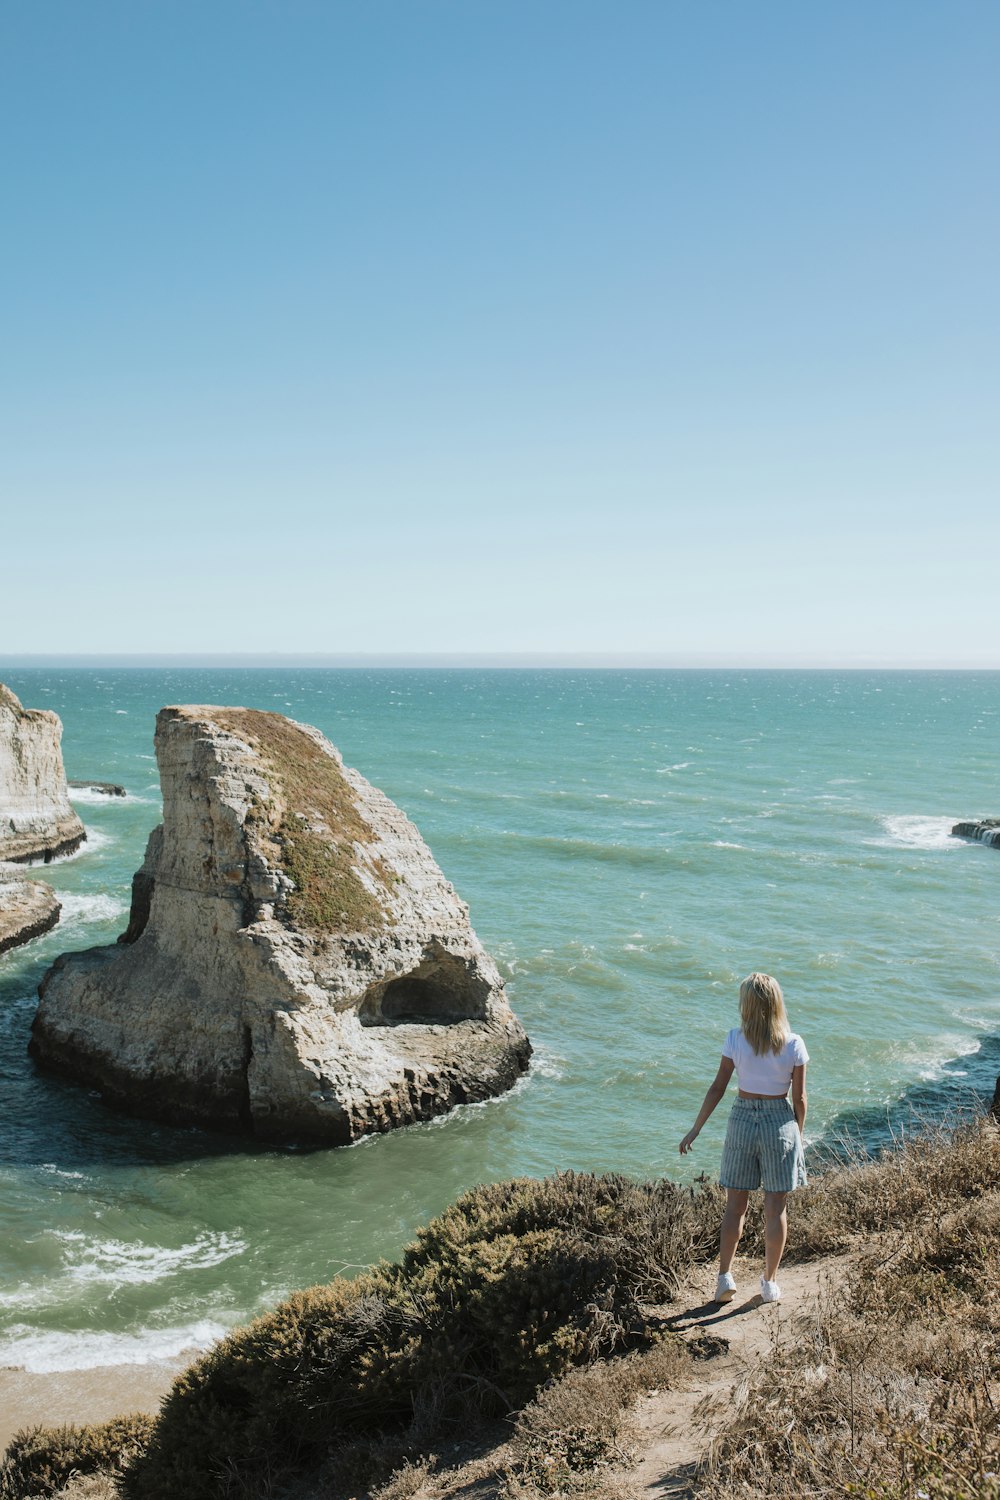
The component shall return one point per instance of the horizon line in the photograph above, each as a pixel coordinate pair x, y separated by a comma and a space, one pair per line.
500, 660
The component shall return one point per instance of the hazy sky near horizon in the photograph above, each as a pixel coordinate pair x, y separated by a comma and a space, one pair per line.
502, 326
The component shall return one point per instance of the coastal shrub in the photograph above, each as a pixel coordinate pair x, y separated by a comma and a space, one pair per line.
511, 1287
40, 1461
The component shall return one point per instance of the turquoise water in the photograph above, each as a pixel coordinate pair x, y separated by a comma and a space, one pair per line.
630, 843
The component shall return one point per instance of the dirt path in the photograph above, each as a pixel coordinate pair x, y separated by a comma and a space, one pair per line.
677, 1427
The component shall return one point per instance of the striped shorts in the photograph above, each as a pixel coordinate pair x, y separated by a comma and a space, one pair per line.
763, 1148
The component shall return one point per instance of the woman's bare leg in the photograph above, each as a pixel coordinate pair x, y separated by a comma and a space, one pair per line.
732, 1226
775, 1232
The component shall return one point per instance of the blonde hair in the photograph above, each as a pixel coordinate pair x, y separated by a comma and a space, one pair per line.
763, 1014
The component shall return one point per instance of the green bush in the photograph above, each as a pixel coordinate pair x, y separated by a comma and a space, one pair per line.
40, 1460
509, 1288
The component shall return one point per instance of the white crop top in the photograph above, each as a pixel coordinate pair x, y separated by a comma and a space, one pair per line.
770, 1073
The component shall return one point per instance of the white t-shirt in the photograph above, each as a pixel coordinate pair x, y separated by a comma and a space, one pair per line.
770, 1073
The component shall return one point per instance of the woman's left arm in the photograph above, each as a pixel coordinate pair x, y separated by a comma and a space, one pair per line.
799, 1095
715, 1092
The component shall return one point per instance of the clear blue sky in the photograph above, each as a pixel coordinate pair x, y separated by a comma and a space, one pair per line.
655, 326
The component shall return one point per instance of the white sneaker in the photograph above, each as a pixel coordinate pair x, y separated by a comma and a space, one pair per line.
770, 1291
725, 1287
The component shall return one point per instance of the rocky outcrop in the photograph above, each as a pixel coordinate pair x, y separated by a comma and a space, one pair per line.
296, 967
106, 788
986, 831
36, 819
27, 909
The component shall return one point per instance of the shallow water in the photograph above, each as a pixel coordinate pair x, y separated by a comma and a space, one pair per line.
630, 843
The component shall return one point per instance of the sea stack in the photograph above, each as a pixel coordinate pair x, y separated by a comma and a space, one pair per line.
296, 967
36, 819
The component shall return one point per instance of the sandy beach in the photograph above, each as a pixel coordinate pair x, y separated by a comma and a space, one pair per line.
79, 1396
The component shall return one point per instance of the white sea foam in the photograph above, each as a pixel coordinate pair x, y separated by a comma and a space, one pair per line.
681, 765
917, 831
79, 910
546, 1064
41, 1351
931, 1057
91, 797
95, 839
724, 844
118, 1262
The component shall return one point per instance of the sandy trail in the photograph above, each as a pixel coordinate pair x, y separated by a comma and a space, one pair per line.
676, 1427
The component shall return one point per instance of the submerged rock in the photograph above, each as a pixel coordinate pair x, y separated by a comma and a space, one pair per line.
27, 909
986, 831
36, 819
296, 967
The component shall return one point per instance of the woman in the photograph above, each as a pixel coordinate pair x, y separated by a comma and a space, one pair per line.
764, 1136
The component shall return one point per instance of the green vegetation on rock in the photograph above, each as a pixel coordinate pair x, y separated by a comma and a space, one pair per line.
312, 823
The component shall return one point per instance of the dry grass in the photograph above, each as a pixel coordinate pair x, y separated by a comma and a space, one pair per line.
576, 1428
90, 1487
892, 1390
312, 824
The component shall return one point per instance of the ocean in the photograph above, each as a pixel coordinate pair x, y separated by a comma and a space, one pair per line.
630, 843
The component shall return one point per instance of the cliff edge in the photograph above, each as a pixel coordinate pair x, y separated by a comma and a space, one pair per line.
36, 819
296, 967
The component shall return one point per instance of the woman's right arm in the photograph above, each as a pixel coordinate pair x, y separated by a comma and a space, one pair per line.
799, 1100
715, 1092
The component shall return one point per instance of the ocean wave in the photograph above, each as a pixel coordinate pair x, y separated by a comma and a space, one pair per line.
579, 962
40, 1351
89, 796
545, 1064
96, 839
931, 1057
80, 910
118, 1262
574, 849
682, 765
917, 831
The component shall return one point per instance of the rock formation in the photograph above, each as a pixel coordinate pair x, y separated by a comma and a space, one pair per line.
36, 819
986, 831
106, 788
296, 966
27, 909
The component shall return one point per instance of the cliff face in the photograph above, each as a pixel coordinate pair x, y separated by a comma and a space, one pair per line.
36, 819
295, 967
